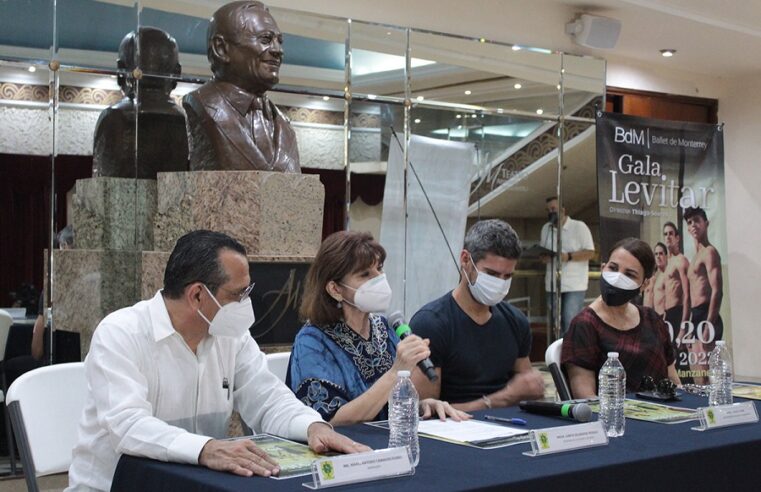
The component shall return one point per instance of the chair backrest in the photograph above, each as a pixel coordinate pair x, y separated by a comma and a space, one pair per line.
278, 364
45, 406
6, 320
552, 359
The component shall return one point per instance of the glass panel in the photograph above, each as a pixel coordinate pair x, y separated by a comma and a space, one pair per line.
26, 145
480, 73
88, 32
501, 102
583, 93
583, 85
26, 30
377, 87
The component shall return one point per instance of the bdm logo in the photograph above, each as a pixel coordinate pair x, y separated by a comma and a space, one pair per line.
630, 136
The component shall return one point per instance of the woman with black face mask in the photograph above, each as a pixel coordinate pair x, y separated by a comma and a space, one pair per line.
612, 323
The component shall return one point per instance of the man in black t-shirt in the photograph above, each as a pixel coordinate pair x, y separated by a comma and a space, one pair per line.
479, 343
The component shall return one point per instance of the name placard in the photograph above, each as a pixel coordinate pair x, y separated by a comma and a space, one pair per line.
566, 438
360, 467
726, 415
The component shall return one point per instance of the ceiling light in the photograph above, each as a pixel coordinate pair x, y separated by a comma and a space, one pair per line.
467, 93
417, 120
474, 116
32, 69
458, 116
517, 86
371, 96
482, 40
420, 98
388, 33
668, 53
500, 110
325, 98
540, 111
558, 86
516, 47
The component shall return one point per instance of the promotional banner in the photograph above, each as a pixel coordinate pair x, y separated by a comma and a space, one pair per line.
663, 182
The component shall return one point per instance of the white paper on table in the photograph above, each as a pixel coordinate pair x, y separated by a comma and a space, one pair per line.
467, 430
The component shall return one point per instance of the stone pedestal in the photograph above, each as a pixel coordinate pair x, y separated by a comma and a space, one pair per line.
125, 230
88, 285
114, 214
269, 213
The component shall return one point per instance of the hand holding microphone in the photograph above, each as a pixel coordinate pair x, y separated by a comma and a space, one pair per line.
403, 330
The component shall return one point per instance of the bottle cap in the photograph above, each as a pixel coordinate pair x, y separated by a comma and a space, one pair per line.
720, 343
403, 374
613, 355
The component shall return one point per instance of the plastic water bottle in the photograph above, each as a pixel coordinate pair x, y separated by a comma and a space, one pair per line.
612, 392
720, 375
403, 416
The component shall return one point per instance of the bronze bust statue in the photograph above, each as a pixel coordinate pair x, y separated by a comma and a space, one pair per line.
161, 140
232, 125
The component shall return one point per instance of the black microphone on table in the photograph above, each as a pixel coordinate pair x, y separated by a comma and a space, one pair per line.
403, 330
579, 412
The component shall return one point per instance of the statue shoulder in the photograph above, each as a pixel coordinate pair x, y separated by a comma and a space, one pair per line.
207, 94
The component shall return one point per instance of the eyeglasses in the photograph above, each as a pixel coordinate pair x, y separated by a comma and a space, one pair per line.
242, 294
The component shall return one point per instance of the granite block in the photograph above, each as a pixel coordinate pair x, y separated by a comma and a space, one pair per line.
88, 285
114, 213
269, 213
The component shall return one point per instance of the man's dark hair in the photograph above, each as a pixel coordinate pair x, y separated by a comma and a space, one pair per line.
691, 212
662, 246
673, 226
225, 21
550, 198
195, 258
492, 236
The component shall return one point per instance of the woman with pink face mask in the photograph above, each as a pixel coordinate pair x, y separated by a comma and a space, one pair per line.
613, 323
345, 359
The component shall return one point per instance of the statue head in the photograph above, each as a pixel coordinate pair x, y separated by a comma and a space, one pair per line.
244, 46
158, 55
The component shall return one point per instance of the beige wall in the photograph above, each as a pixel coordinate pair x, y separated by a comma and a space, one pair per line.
740, 109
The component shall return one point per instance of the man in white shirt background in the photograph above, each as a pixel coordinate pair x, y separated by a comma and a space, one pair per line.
165, 375
577, 249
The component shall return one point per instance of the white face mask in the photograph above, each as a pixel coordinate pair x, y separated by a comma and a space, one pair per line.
232, 320
374, 296
618, 279
487, 289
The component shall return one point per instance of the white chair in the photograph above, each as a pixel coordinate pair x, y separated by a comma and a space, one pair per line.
278, 364
6, 321
45, 405
552, 359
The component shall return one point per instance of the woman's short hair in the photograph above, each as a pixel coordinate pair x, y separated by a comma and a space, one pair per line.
340, 254
638, 249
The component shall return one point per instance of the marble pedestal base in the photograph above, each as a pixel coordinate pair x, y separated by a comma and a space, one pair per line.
269, 213
114, 213
90, 284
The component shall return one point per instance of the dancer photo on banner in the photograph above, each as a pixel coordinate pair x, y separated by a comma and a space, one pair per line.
663, 181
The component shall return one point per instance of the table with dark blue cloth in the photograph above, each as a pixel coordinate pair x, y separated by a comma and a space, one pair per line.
649, 456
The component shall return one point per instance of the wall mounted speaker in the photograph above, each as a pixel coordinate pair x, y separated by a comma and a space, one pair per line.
593, 31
